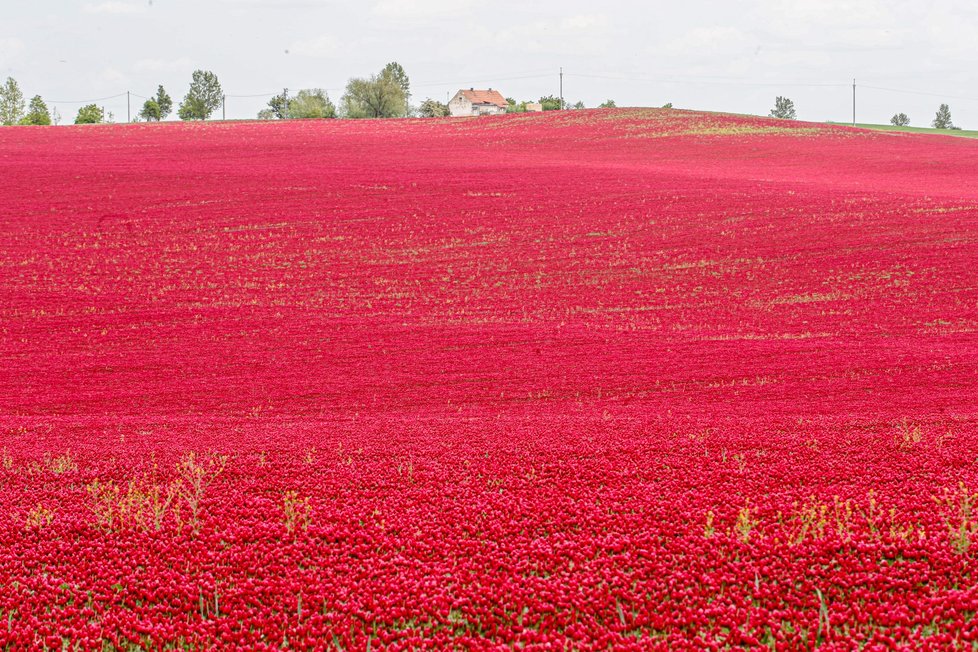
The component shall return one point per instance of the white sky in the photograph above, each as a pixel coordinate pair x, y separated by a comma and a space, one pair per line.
718, 56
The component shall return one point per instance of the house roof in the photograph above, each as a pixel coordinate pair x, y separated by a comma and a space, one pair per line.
485, 97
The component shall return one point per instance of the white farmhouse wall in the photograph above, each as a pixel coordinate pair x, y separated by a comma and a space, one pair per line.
459, 105
488, 109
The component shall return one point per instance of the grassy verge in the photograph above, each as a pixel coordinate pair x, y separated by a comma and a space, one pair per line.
915, 130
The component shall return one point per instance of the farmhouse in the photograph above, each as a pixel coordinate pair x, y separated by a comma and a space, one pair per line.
473, 102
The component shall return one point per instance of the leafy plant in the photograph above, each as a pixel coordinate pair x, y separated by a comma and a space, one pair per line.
196, 475
90, 114
908, 435
746, 522
39, 517
784, 109
296, 512
943, 118
958, 513
900, 120
378, 96
11, 102
433, 109
37, 113
810, 520
204, 97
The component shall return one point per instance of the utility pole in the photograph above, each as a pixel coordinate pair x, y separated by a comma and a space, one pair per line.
224, 101
128, 110
562, 88
853, 102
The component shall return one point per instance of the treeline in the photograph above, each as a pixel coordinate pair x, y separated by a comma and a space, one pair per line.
784, 109
14, 110
386, 94
202, 99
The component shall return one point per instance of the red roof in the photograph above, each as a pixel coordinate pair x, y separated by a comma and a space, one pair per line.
485, 97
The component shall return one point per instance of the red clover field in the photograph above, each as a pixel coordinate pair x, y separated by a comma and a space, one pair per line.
614, 379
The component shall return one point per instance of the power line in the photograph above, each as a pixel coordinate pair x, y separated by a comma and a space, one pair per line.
413, 85
908, 92
706, 81
97, 99
479, 81
691, 79
694, 80
256, 95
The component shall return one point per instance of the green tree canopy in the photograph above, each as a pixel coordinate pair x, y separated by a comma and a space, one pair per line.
512, 106
37, 113
11, 102
943, 118
307, 104
204, 97
550, 103
900, 120
378, 96
311, 103
783, 109
90, 114
279, 105
433, 109
164, 102
395, 71
150, 111
607, 104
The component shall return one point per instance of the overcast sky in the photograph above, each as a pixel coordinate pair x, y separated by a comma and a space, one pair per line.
718, 56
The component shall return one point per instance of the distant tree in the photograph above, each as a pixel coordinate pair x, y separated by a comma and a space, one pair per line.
90, 114
37, 113
512, 106
203, 98
578, 105
943, 118
607, 104
900, 120
312, 103
783, 109
193, 109
667, 105
550, 103
432, 109
11, 102
164, 102
377, 96
278, 106
309, 103
395, 71
150, 111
